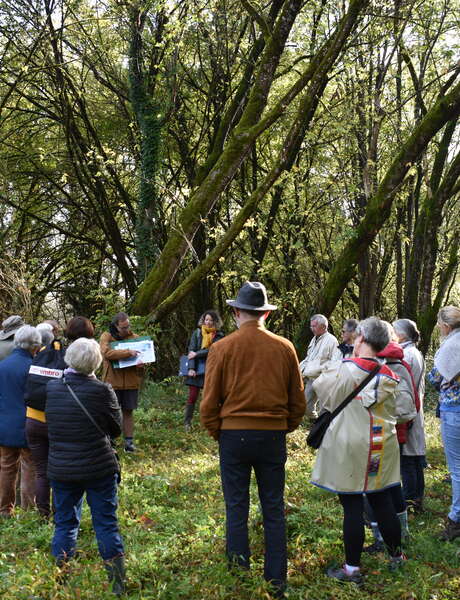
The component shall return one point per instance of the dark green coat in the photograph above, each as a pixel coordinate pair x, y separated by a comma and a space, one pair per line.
195, 346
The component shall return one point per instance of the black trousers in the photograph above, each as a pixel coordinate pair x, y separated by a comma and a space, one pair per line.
242, 451
353, 523
413, 477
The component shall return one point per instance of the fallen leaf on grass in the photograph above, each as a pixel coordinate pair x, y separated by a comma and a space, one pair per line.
146, 521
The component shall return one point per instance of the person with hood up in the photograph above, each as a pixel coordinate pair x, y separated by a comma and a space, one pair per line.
406, 402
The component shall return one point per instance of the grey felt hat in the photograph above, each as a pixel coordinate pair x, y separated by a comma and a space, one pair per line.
252, 295
10, 326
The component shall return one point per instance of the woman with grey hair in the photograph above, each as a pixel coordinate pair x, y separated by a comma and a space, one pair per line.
413, 459
83, 415
359, 453
46, 333
48, 364
207, 333
13, 445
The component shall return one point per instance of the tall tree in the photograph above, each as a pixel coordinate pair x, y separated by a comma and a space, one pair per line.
252, 123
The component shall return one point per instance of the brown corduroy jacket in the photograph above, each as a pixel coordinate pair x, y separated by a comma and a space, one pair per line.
129, 378
252, 381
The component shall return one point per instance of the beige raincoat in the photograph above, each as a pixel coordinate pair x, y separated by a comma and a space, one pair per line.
360, 451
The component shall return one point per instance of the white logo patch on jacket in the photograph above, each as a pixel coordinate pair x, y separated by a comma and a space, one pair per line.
44, 372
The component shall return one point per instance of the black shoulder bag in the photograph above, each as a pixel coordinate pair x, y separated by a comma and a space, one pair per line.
75, 397
319, 427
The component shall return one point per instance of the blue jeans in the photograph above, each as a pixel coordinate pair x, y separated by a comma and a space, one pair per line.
101, 495
450, 431
265, 452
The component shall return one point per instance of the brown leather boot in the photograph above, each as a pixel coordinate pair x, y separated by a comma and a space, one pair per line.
451, 531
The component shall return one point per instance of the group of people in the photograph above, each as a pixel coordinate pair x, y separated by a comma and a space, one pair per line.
57, 426
58, 421
373, 453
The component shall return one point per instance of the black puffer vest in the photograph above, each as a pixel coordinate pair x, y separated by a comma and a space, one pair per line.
78, 451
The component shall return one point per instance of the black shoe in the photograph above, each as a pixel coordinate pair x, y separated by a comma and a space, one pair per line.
277, 589
377, 546
63, 572
129, 446
451, 531
415, 507
397, 562
340, 574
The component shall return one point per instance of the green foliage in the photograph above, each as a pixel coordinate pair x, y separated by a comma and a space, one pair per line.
15, 295
172, 513
110, 303
122, 141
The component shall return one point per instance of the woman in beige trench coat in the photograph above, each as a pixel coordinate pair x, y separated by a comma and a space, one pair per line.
360, 453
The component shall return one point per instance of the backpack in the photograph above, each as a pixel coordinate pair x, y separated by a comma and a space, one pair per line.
47, 364
407, 405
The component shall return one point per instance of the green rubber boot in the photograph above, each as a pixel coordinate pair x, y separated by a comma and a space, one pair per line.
188, 416
116, 574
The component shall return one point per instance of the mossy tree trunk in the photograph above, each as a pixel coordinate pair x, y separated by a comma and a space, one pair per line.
379, 207
221, 170
147, 111
431, 257
427, 318
426, 231
203, 198
319, 71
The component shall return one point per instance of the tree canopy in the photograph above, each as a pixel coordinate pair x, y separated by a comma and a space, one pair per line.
163, 151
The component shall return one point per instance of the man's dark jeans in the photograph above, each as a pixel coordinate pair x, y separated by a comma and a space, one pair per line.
265, 452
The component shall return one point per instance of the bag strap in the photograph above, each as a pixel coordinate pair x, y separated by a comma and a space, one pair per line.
356, 391
75, 397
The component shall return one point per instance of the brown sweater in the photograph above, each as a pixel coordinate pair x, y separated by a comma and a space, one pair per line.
252, 381
121, 379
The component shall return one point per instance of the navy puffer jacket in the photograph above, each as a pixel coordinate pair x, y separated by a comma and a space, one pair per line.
78, 451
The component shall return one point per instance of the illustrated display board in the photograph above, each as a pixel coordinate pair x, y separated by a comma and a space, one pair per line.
142, 345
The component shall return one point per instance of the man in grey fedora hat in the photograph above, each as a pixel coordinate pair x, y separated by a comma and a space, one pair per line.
253, 396
9, 328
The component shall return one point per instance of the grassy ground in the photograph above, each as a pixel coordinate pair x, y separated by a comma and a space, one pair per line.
172, 518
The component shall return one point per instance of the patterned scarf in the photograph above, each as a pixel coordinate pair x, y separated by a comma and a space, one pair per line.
207, 335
